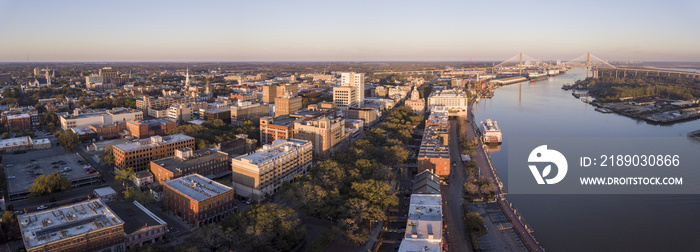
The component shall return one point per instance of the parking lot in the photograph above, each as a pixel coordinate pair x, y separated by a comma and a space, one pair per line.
22, 169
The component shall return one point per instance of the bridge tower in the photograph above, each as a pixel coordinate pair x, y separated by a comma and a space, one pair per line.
588, 64
520, 66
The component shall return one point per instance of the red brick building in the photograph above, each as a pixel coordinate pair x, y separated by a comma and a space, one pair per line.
147, 128
109, 130
207, 162
274, 129
197, 199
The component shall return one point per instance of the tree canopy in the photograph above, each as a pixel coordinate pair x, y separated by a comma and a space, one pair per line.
45, 184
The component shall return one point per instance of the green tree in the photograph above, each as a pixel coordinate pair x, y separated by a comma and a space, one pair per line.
471, 188
135, 194
377, 193
272, 227
107, 157
45, 184
123, 176
68, 139
473, 221
209, 236
9, 227
5, 135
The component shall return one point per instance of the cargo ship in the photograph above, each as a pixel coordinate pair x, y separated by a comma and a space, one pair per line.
491, 132
537, 76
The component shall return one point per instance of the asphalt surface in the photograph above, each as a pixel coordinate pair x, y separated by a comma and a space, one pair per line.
453, 196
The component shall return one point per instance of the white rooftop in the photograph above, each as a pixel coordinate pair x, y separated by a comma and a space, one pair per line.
272, 151
104, 191
197, 187
424, 225
17, 141
40, 228
41, 141
152, 142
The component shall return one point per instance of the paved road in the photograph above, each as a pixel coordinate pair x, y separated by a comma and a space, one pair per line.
485, 170
453, 196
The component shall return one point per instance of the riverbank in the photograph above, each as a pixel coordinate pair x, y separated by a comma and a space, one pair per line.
488, 170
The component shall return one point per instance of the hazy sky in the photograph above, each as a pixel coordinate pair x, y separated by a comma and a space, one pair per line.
347, 31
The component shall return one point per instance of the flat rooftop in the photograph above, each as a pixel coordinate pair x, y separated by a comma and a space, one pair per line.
134, 215
218, 110
17, 141
175, 164
101, 112
153, 122
11, 117
152, 142
272, 151
424, 224
197, 187
40, 228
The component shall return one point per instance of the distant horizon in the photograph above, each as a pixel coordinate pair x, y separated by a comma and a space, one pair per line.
333, 61
342, 31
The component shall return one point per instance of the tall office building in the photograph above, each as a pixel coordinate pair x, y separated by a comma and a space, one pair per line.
109, 75
355, 80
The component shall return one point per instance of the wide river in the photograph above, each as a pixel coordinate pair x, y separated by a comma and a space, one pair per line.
589, 222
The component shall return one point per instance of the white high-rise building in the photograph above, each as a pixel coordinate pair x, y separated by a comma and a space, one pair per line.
355, 80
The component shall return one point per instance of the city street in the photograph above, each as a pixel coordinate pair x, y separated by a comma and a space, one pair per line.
453, 196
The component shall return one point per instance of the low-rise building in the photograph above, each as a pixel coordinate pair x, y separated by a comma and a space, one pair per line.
223, 113
416, 103
239, 146
247, 110
434, 152
424, 225
153, 127
109, 130
106, 194
272, 129
138, 154
197, 200
455, 100
368, 115
16, 144
207, 162
85, 226
141, 226
261, 174
83, 119
21, 122
142, 178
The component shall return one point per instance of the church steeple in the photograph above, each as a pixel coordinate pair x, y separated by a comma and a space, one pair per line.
187, 77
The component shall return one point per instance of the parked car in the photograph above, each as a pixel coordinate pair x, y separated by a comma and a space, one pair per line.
42, 207
11, 177
8, 165
91, 171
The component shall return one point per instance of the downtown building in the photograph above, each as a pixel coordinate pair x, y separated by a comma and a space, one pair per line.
197, 199
261, 174
272, 129
434, 151
424, 225
139, 154
153, 127
147, 101
83, 119
351, 92
326, 134
206, 162
455, 100
85, 226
